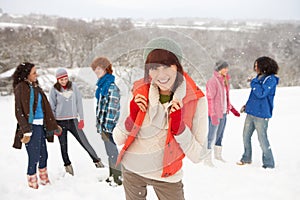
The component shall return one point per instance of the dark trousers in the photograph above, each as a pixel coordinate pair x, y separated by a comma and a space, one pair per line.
111, 151
71, 126
36, 149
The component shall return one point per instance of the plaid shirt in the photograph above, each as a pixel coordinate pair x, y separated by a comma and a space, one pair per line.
108, 110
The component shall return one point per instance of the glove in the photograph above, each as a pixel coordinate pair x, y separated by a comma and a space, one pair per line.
134, 109
81, 124
58, 131
177, 126
243, 109
214, 120
26, 138
235, 112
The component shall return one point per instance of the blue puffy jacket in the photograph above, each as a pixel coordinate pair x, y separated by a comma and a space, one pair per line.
260, 102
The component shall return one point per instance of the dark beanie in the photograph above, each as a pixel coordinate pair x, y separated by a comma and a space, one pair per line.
221, 64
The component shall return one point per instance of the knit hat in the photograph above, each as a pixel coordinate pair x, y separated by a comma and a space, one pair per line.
221, 64
61, 73
163, 43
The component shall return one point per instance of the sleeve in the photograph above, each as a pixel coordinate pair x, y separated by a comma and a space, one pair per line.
112, 109
79, 104
120, 133
210, 95
25, 127
53, 100
193, 141
262, 88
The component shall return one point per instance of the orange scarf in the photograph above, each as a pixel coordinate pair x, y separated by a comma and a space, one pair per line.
173, 153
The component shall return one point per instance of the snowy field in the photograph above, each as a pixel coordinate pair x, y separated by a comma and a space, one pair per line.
225, 181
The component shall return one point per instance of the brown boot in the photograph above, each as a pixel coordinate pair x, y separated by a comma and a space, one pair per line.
69, 169
32, 181
44, 176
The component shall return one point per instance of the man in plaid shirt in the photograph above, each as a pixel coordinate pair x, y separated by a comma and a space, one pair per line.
107, 113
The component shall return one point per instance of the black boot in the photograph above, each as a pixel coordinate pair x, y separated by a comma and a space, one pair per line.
110, 177
117, 175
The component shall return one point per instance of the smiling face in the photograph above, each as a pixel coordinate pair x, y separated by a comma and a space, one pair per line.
164, 77
32, 77
63, 81
163, 69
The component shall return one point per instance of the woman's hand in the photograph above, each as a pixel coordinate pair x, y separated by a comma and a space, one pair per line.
141, 101
176, 114
175, 106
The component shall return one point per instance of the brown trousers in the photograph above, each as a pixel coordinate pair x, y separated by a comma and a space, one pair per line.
135, 187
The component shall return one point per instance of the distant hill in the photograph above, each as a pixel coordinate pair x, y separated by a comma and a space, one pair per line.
52, 42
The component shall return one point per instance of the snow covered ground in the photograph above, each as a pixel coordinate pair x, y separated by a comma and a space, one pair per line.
225, 181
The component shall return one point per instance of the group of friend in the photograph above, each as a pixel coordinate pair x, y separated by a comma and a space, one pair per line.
167, 118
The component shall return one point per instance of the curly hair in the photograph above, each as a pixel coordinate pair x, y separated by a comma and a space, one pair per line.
266, 65
21, 73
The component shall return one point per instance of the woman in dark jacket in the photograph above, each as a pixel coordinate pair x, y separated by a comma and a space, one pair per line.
36, 122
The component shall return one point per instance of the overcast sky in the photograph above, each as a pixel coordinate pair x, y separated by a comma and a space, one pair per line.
222, 9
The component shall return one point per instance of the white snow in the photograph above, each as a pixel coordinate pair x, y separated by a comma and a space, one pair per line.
225, 181
17, 25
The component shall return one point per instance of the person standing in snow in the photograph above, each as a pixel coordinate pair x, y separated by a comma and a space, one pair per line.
167, 120
217, 93
259, 108
36, 122
107, 114
66, 103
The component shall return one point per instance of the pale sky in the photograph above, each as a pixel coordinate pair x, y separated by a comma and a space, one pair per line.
147, 9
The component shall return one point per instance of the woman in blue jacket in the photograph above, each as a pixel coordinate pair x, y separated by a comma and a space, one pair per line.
259, 109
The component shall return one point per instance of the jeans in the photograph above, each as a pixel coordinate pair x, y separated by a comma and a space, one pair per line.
71, 125
216, 131
111, 150
260, 125
36, 149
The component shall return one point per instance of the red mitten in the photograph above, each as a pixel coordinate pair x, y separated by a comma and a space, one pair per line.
214, 120
177, 126
235, 112
134, 109
81, 124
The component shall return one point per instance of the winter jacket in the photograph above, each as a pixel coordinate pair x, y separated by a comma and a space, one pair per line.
261, 98
108, 110
22, 99
67, 103
153, 151
215, 93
